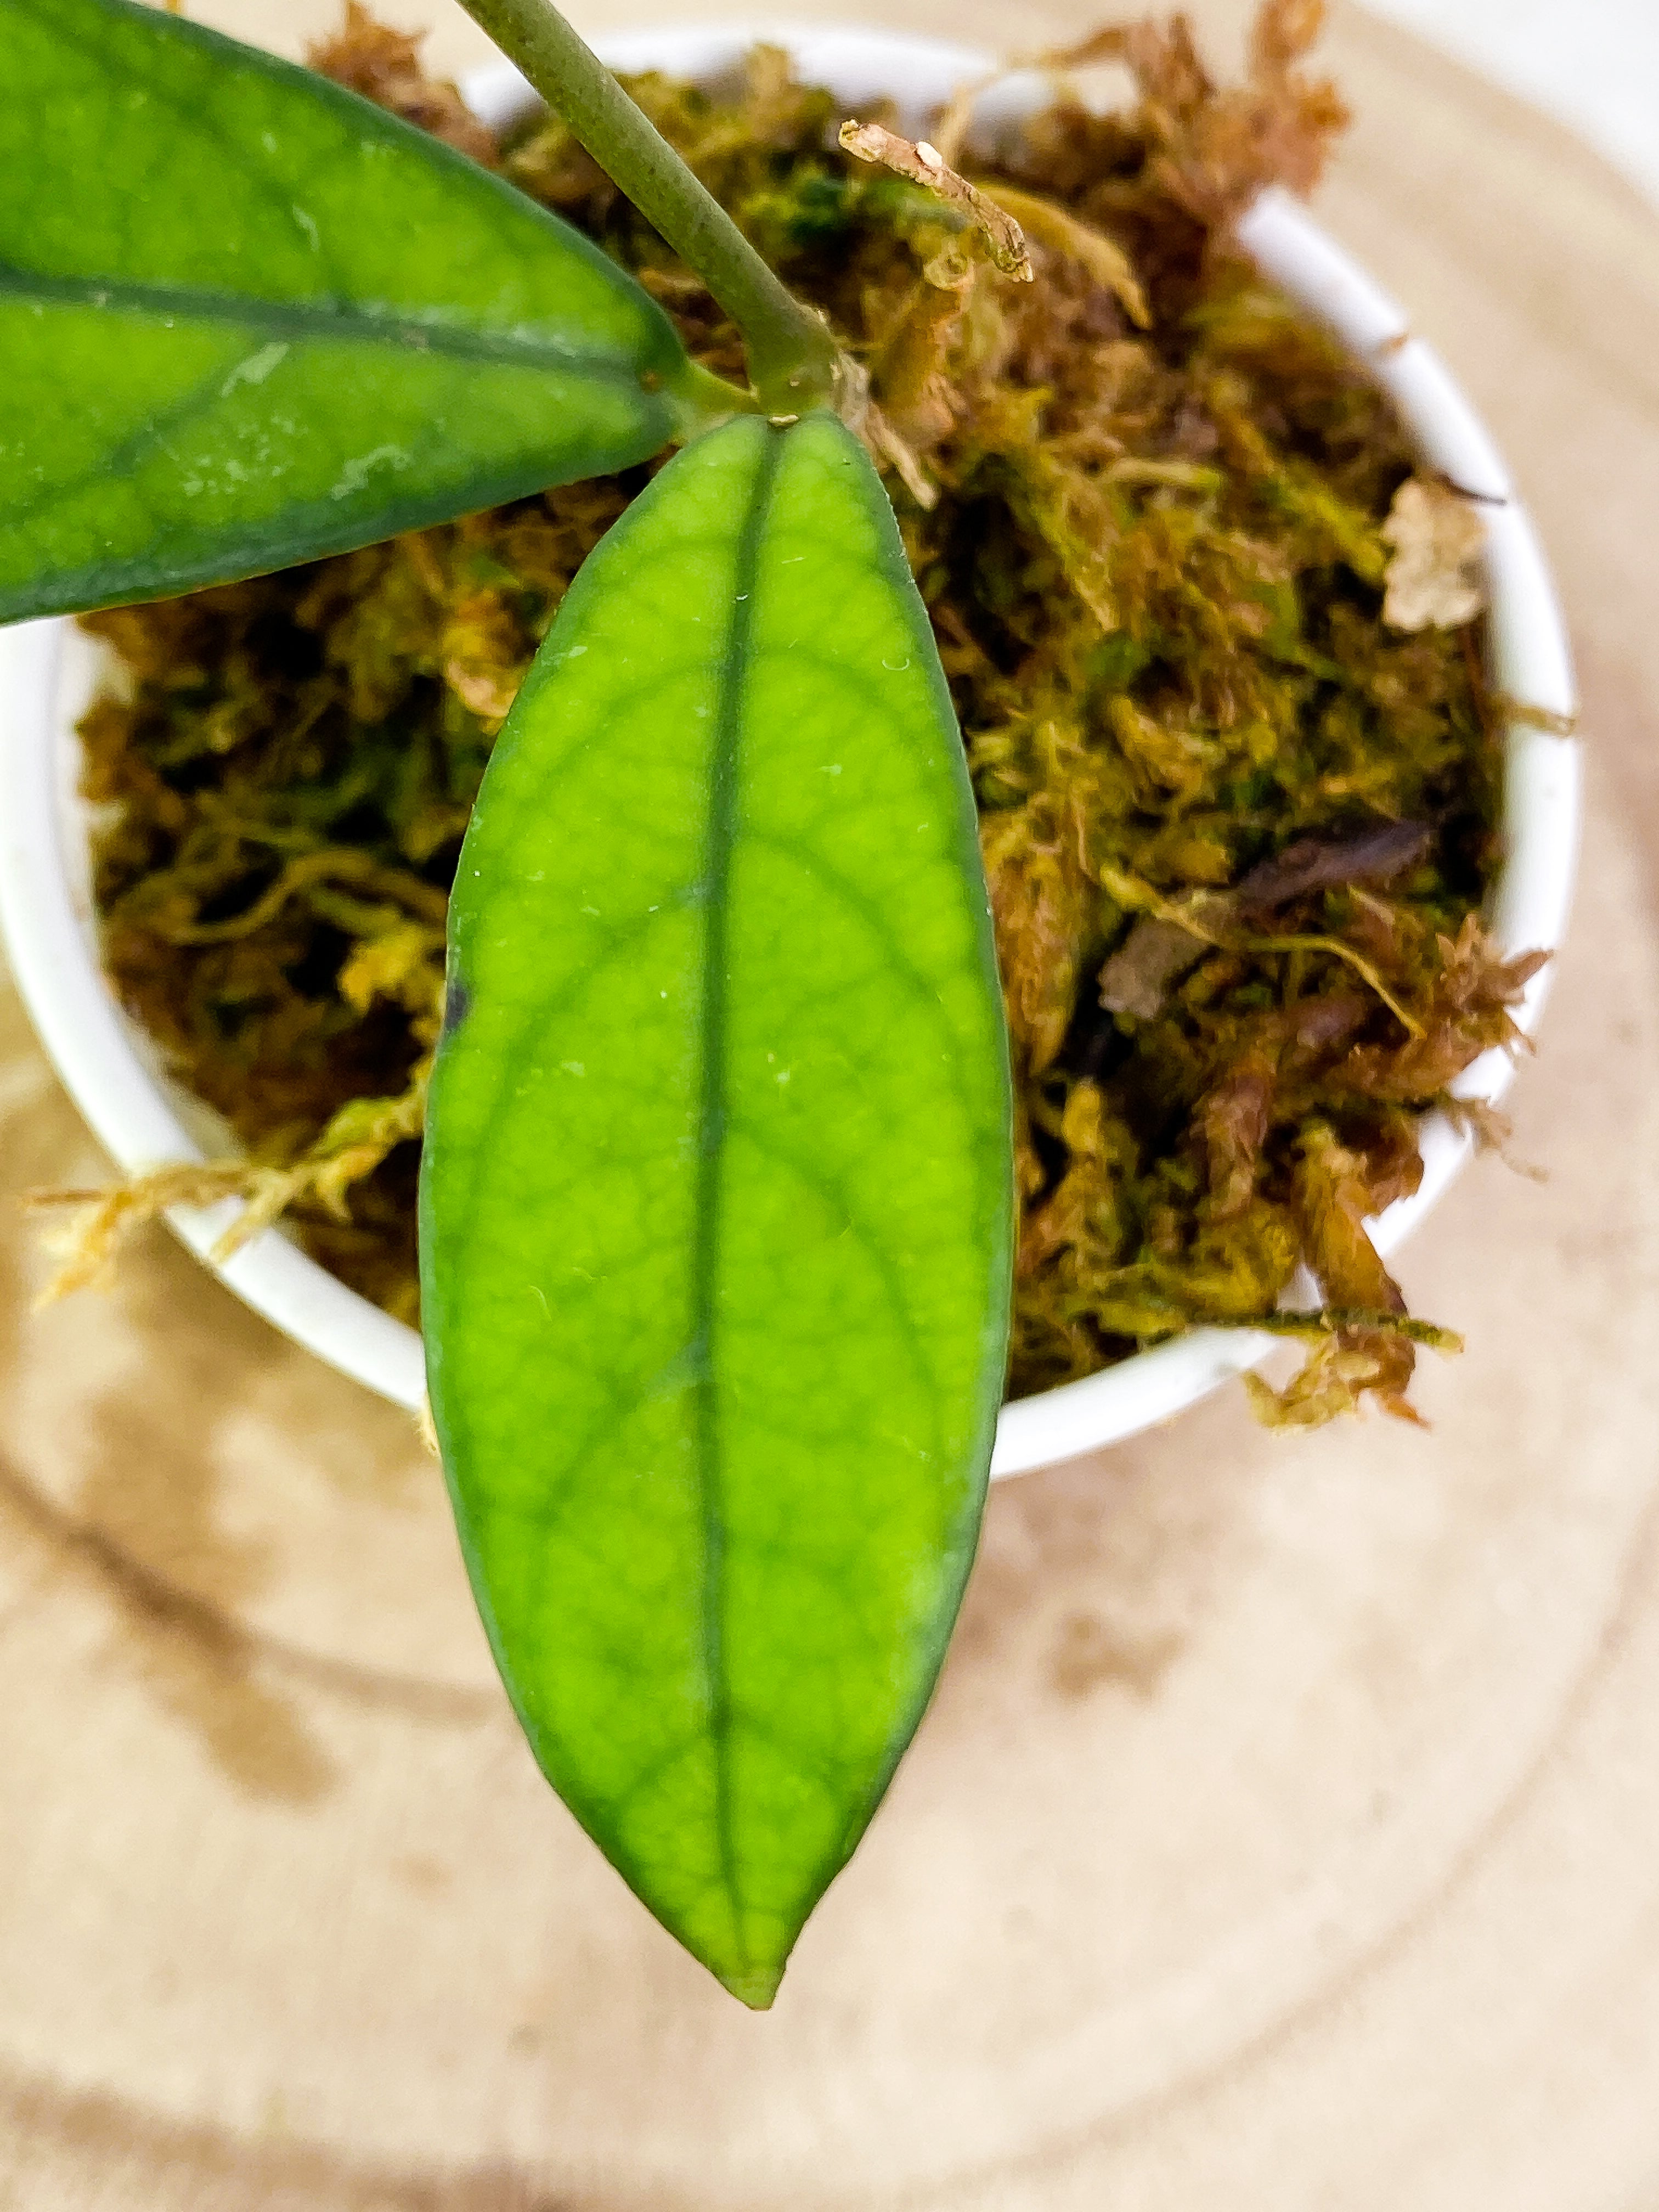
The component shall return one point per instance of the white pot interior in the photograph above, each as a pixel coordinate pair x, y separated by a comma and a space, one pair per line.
49, 670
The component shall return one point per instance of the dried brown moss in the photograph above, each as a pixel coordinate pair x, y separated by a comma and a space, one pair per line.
1236, 828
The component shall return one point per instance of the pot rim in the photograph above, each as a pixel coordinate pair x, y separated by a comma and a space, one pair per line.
115, 1075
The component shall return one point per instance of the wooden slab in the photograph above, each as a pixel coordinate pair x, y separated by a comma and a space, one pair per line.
1284, 1834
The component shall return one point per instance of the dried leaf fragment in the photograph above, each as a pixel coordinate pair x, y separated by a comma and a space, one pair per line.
85, 1245
1216, 147
925, 166
484, 656
1060, 232
1331, 1382
100, 1222
1283, 32
1553, 724
1233, 1122
884, 439
1139, 546
1334, 1199
1434, 577
1374, 855
383, 65
1153, 958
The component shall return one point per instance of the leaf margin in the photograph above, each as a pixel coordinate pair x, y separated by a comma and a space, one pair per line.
756, 1984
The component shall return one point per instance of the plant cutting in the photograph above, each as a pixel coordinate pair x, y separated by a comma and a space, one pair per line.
723, 1089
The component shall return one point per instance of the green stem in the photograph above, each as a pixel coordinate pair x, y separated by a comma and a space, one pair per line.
793, 360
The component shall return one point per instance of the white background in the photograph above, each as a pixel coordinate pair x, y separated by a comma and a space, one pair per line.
1592, 63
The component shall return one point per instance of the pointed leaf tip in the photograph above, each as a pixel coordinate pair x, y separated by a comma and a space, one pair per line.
717, 1198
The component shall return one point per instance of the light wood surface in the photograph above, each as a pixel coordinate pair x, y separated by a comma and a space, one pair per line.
1286, 1835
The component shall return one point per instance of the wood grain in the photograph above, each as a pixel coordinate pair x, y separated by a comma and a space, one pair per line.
1284, 1837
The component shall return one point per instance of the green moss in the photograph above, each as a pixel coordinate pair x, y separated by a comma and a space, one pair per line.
1154, 560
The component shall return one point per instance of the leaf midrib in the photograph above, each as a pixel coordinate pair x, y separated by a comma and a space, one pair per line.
330, 320
712, 1117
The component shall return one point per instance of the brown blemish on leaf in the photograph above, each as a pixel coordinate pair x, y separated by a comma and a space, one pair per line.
458, 1002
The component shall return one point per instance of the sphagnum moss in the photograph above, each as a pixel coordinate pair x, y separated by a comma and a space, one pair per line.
1238, 827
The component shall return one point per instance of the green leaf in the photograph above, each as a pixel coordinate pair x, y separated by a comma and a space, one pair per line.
248, 319
718, 1202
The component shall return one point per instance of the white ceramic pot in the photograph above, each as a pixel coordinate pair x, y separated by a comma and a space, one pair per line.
48, 669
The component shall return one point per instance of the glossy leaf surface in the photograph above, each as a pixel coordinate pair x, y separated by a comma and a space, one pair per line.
246, 319
717, 1203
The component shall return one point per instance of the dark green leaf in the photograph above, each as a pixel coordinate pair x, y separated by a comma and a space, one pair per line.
246, 319
718, 1197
